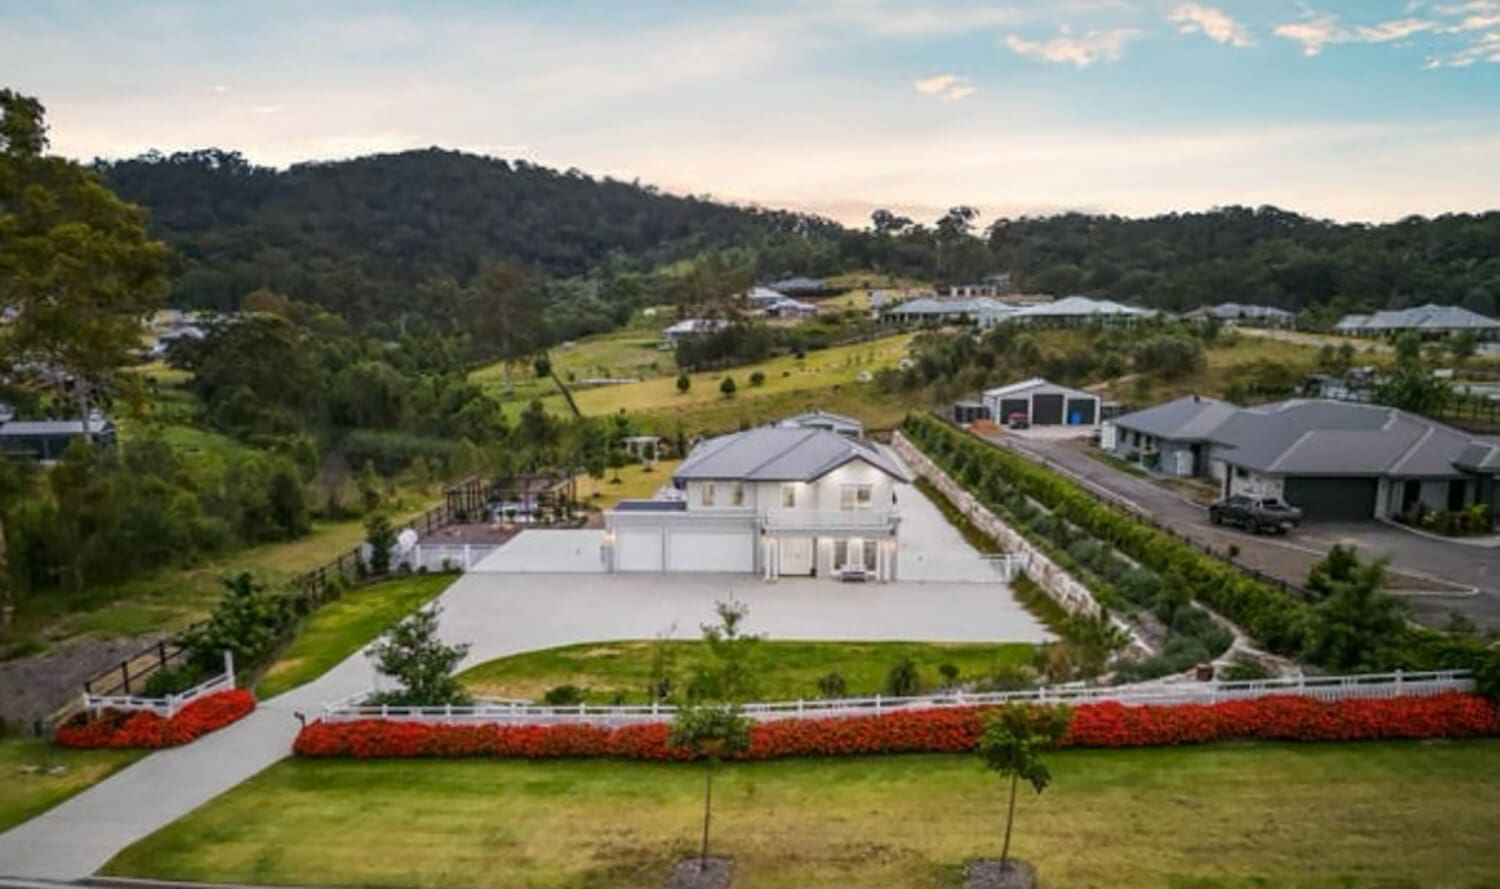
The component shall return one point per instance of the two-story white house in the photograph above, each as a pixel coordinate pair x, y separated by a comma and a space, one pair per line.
774, 501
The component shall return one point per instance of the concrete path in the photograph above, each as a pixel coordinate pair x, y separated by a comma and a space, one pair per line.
507, 612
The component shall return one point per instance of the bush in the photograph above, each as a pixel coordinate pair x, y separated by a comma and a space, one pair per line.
146, 729
939, 730
248, 622
903, 680
171, 681
757, 379
949, 673
563, 696
832, 685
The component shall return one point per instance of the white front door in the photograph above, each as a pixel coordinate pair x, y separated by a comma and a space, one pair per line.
796, 556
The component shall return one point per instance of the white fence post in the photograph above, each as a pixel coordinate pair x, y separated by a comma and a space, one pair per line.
229, 666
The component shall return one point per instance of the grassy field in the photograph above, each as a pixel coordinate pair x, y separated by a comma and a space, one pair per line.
628, 352
341, 628
612, 671
1218, 817
635, 484
179, 596
37, 775
1225, 362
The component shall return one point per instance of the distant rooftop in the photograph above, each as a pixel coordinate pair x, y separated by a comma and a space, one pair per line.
1429, 317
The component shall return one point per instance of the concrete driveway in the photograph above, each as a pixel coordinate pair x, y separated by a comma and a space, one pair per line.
1435, 577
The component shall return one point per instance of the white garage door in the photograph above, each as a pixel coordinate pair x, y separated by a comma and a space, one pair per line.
731, 551
638, 549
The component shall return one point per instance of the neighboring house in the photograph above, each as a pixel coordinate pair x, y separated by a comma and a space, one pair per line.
816, 419
969, 412
165, 341
1044, 404
763, 297
45, 440
690, 327
1335, 460
982, 311
991, 286
799, 286
1078, 310
1429, 319
774, 501
791, 308
1240, 313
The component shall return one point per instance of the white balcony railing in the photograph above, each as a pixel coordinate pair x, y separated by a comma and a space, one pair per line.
830, 519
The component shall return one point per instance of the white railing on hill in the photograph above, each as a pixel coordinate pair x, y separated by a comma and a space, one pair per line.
163, 706
1327, 688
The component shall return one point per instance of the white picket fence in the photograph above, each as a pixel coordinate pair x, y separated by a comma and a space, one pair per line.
442, 556
1326, 688
164, 706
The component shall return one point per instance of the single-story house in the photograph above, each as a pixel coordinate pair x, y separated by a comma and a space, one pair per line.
1071, 310
816, 419
1241, 313
1333, 459
982, 311
1429, 319
689, 327
787, 307
773, 501
45, 440
799, 286
1043, 404
762, 297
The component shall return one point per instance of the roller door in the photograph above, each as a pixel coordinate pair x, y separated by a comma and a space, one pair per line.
638, 549
1332, 499
1046, 410
1082, 411
730, 552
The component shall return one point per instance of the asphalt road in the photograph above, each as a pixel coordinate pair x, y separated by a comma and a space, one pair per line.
1436, 577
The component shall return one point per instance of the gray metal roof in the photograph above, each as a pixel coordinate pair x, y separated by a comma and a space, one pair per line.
779, 453
1026, 386
1320, 437
931, 305
1190, 418
1232, 311
18, 428
1081, 305
651, 506
1428, 317
819, 419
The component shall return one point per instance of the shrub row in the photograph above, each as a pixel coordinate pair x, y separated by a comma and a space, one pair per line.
1271, 616
142, 728
949, 730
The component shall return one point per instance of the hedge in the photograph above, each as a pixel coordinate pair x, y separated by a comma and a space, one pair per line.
142, 728
947, 730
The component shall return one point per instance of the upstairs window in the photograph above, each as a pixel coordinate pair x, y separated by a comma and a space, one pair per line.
788, 496
737, 497
708, 494
856, 497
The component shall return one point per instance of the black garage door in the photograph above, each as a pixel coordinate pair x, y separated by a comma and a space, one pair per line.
1081, 411
1009, 407
1332, 498
1046, 410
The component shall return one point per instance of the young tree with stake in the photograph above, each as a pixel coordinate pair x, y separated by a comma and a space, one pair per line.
1012, 744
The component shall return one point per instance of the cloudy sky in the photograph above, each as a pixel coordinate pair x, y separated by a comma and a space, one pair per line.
1354, 109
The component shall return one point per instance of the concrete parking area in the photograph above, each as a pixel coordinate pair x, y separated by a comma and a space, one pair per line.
1437, 578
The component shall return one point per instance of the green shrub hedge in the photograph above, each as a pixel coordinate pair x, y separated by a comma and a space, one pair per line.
1276, 619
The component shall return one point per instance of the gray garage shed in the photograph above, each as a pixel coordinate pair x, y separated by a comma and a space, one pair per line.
1043, 403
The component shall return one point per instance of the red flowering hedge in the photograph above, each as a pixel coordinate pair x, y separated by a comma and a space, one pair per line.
952, 730
142, 728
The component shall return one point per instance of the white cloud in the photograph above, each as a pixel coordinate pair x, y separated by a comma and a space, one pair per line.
1314, 33
1065, 49
219, 89
946, 87
1484, 48
1385, 32
1214, 23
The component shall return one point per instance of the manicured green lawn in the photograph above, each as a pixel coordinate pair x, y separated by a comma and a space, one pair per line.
1227, 817
341, 628
788, 670
37, 775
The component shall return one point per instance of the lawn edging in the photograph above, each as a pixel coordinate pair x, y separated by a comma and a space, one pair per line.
1450, 715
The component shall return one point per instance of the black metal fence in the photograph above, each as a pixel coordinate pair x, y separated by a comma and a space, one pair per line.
132, 673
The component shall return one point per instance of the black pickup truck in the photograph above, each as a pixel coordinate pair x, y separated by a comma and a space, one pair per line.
1258, 515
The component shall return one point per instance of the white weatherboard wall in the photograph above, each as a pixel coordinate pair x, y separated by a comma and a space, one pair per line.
1063, 587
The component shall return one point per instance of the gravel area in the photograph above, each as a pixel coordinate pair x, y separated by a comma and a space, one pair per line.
694, 873
33, 687
987, 873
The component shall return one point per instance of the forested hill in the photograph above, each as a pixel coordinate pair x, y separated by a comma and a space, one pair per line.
360, 236
1264, 255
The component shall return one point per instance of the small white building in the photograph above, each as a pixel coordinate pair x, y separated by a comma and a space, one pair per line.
1043, 403
774, 501
690, 327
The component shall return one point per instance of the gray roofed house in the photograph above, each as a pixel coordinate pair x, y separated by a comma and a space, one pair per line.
1043, 403
1233, 312
1074, 309
782, 453
775, 501
45, 440
983, 311
1333, 459
820, 419
799, 286
1430, 318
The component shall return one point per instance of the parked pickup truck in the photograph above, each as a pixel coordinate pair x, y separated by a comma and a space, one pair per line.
1258, 515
